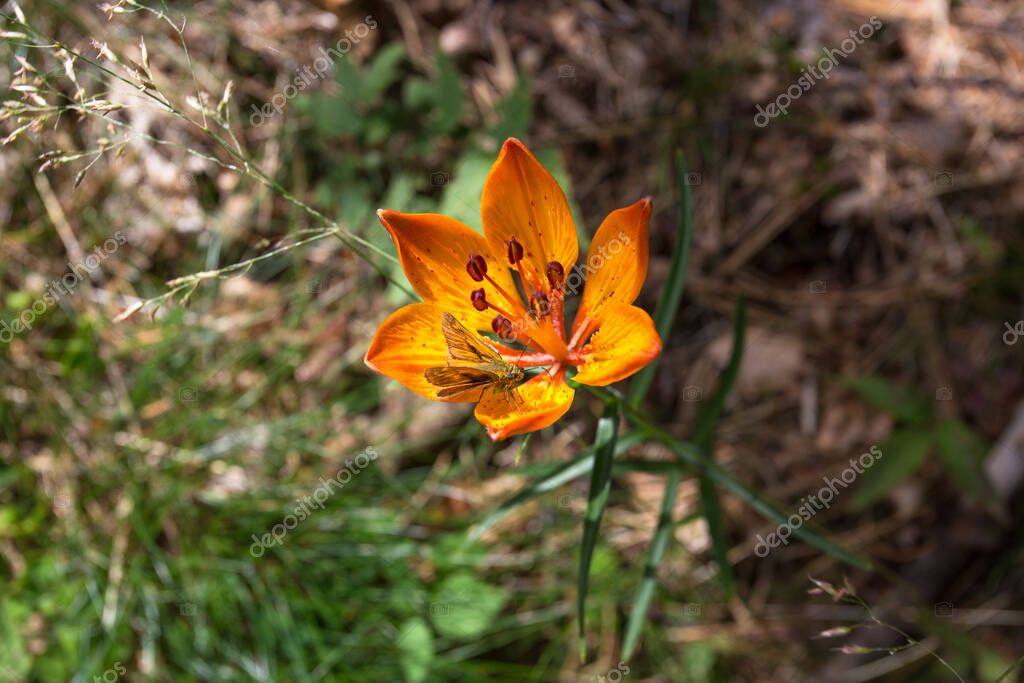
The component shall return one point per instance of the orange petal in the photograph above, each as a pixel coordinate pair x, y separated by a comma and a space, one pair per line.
617, 262
408, 342
625, 342
434, 250
522, 200
533, 405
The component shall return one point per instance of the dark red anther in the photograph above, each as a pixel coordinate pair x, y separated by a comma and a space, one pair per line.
479, 299
515, 251
502, 327
477, 267
556, 274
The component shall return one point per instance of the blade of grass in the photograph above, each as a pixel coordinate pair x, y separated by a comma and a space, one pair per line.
672, 293
703, 439
655, 553
600, 484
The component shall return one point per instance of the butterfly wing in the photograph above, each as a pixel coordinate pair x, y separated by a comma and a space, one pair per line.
464, 345
454, 381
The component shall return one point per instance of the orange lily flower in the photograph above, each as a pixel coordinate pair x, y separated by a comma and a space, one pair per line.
528, 231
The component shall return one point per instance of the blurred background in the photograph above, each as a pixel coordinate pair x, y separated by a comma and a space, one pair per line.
867, 200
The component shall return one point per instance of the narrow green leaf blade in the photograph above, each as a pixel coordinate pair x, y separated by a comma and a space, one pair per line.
710, 411
898, 401
672, 293
515, 112
703, 438
962, 451
655, 554
597, 498
448, 98
382, 71
901, 454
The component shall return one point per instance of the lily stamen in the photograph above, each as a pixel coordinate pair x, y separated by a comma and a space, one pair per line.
515, 258
556, 279
480, 303
477, 269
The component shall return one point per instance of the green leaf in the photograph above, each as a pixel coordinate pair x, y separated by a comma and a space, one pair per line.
461, 197
350, 81
464, 607
448, 100
655, 554
699, 661
900, 402
709, 412
900, 456
703, 439
417, 93
382, 73
600, 485
416, 650
331, 116
516, 112
672, 292
962, 451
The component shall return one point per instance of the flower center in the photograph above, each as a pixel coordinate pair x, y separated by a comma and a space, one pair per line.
536, 322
